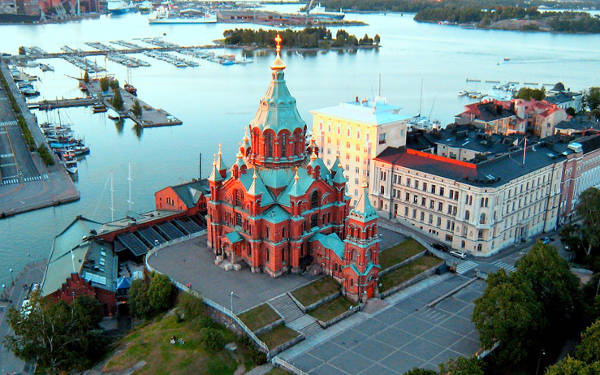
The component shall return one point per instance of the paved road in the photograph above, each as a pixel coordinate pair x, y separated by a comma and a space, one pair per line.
32, 273
404, 335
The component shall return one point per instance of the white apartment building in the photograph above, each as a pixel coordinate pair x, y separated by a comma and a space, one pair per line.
478, 208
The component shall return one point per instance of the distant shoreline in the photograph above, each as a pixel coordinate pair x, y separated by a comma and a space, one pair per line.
510, 25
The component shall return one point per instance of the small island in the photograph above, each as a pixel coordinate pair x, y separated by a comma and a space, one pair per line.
511, 18
309, 38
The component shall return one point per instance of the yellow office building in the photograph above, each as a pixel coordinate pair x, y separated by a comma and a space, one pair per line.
358, 131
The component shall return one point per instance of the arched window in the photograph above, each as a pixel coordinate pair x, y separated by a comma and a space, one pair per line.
467, 215
239, 198
314, 199
269, 145
482, 219
283, 143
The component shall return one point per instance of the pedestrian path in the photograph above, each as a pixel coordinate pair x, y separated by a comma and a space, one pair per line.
8, 123
465, 267
14, 180
507, 267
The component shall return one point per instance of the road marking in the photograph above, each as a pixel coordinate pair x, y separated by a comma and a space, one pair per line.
505, 266
464, 267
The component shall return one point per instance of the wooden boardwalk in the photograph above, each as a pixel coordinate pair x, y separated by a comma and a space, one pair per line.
47, 105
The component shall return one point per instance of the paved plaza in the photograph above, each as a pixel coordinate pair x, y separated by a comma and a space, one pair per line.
405, 335
192, 262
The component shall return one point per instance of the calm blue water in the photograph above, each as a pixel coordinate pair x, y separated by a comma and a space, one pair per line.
215, 102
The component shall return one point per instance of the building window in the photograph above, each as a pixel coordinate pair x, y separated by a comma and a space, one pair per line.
482, 218
416, 184
314, 199
381, 138
423, 201
467, 215
283, 144
432, 204
432, 189
408, 182
382, 190
422, 216
439, 221
239, 198
238, 219
415, 199
440, 206
406, 197
414, 215
441, 191
269, 144
462, 244
430, 218
314, 220
424, 186
406, 211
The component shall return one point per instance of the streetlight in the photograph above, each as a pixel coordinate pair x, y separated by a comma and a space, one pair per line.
12, 278
537, 369
231, 295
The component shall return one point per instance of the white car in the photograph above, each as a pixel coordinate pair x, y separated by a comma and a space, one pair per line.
458, 254
25, 307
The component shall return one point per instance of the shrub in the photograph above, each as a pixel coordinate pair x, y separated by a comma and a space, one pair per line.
191, 306
104, 83
212, 339
45, 155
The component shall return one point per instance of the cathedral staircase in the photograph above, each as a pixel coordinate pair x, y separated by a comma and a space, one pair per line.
293, 317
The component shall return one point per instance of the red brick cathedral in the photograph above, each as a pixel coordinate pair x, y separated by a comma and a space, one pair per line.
279, 209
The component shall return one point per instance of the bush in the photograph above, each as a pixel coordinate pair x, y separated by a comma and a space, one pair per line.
136, 109
191, 306
206, 322
104, 84
212, 339
117, 100
114, 84
160, 293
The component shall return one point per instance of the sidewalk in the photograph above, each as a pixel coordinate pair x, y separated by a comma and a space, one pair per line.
32, 273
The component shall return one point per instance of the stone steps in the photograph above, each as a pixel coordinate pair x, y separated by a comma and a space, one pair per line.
286, 308
311, 329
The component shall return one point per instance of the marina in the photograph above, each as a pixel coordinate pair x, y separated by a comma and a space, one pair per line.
74, 57
114, 55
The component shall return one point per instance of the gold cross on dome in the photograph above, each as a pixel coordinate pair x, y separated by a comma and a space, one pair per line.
278, 40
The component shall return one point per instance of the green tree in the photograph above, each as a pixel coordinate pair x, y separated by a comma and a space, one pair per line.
509, 315
160, 293
21, 50
86, 77
588, 209
462, 366
592, 98
104, 84
136, 109
114, 84
572, 366
588, 349
571, 111
137, 298
59, 337
556, 288
117, 100
191, 306
528, 93
212, 339
420, 371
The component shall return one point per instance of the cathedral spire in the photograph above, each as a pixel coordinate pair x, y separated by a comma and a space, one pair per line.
363, 209
220, 164
214, 174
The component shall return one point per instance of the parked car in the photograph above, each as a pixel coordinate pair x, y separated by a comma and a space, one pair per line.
547, 240
440, 246
458, 254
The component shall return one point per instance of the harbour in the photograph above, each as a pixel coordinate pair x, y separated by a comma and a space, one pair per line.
214, 101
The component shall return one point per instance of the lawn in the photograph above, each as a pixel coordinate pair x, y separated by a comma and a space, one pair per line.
277, 336
150, 343
316, 291
259, 316
407, 271
399, 253
331, 309
277, 371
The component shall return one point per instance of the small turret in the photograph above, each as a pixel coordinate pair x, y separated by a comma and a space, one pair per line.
215, 176
363, 211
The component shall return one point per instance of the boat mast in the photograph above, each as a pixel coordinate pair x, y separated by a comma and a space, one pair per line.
112, 198
130, 181
421, 98
379, 85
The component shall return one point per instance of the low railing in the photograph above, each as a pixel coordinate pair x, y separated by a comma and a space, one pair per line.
288, 366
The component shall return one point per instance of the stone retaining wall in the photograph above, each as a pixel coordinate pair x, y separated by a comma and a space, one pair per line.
268, 327
312, 306
278, 349
410, 282
339, 317
398, 265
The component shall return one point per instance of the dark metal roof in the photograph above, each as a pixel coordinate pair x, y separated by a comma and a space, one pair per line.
150, 236
133, 244
189, 192
169, 231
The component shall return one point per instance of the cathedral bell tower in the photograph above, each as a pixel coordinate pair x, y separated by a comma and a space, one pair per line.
277, 132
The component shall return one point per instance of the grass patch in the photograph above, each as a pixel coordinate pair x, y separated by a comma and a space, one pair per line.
316, 290
150, 342
331, 309
259, 317
408, 271
399, 253
277, 336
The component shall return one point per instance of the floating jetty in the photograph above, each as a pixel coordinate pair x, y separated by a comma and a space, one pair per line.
114, 55
79, 61
151, 117
47, 105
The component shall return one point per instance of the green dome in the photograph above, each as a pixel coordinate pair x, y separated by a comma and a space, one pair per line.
277, 109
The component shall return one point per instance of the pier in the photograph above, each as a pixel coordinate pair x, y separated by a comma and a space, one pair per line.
151, 117
47, 105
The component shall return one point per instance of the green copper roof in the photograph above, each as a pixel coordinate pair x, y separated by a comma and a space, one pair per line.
330, 241
367, 270
363, 209
275, 214
277, 109
277, 178
234, 237
324, 171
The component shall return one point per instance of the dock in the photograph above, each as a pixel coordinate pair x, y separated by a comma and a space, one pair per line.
47, 105
151, 117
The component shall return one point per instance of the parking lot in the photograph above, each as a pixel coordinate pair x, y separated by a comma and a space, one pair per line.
405, 335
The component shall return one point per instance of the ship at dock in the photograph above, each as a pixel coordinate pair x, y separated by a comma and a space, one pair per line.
314, 16
168, 16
